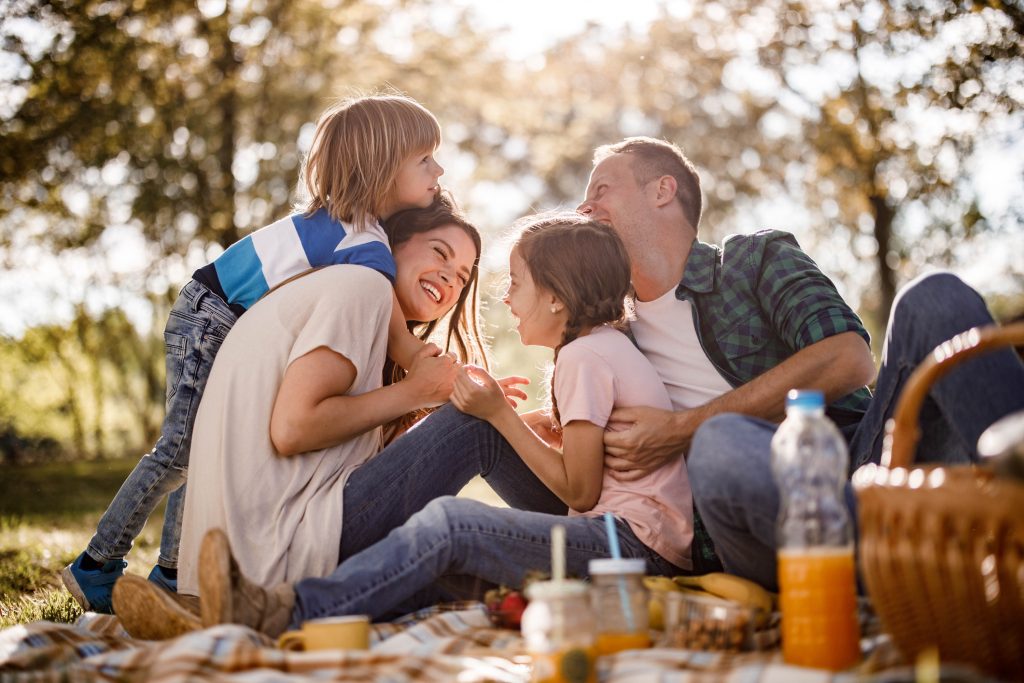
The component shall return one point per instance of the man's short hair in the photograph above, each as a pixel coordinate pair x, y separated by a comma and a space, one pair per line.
653, 158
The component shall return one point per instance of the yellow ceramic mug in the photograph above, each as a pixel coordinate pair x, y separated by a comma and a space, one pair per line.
331, 633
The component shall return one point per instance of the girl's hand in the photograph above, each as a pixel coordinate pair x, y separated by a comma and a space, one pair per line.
511, 391
431, 376
478, 394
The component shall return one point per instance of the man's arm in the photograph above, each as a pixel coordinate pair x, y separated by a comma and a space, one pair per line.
837, 365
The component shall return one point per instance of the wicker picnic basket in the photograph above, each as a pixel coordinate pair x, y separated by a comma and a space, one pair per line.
942, 547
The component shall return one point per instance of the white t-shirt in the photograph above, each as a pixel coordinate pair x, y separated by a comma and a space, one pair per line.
281, 514
602, 371
664, 330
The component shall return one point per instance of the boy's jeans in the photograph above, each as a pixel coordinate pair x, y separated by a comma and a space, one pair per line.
402, 549
196, 327
730, 458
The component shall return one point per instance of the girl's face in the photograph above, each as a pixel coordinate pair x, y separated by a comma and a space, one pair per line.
540, 316
416, 183
433, 269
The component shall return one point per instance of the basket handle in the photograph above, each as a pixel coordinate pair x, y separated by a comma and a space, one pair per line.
902, 432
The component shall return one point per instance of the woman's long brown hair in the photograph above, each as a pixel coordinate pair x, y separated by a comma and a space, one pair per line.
463, 330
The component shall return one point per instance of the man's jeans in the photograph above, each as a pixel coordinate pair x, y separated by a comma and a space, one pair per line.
730, 458
195, 329
403, 547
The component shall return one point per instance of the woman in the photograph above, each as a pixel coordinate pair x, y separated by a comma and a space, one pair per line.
295, 401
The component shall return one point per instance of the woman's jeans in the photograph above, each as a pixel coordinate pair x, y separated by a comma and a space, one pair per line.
404, 547
730, 458
196, 327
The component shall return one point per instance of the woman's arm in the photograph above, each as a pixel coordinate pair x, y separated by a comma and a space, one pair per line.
575, 475
312, 411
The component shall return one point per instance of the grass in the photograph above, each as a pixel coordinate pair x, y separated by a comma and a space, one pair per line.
48, 513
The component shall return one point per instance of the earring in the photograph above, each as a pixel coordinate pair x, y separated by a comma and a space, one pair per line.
554, 309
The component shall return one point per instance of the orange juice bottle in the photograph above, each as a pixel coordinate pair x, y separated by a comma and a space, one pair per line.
818, 600
817, 582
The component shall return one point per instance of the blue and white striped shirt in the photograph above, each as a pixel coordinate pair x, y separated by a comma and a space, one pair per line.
254, 264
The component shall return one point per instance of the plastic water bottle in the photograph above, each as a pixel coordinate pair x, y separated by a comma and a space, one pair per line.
817, 584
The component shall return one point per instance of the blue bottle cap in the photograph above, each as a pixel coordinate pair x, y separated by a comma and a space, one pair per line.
808, 399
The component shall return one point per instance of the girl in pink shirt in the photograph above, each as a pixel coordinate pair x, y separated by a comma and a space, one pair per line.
569, 281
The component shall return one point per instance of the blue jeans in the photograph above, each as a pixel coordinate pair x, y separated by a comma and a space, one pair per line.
407, 542
730, 457
196, 327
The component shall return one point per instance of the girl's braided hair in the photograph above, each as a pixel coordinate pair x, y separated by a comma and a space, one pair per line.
585, 265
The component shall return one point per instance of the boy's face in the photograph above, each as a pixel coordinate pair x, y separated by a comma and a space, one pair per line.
416, 183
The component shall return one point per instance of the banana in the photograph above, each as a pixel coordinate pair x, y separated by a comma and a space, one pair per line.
730, 587
658, 586
662, 584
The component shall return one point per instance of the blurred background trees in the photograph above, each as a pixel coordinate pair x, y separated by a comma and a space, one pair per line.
875, 131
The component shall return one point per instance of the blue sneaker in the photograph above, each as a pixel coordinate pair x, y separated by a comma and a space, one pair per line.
93, 588
158, 577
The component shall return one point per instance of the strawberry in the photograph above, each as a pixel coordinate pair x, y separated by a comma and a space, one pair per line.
512, 606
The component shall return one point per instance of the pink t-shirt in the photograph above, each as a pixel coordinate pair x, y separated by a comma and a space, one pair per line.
601, 371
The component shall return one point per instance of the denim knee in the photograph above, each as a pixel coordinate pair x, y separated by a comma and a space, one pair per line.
720, 456
941, 300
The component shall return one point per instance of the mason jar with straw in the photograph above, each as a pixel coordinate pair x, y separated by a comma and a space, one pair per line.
558, 626
618, 598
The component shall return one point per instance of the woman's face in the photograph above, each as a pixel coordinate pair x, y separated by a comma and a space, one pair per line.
433, 269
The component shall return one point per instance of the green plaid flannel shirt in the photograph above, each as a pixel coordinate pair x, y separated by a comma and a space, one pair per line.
757, 300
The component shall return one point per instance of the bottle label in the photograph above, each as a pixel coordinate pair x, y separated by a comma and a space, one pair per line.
572, 665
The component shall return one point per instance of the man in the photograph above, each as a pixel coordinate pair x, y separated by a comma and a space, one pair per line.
731, 329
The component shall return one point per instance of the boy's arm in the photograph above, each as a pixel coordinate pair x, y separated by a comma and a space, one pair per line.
402, 344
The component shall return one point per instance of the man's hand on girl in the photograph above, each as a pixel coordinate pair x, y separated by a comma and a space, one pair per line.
651, 440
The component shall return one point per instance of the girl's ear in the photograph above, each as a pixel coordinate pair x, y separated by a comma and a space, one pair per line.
554, 304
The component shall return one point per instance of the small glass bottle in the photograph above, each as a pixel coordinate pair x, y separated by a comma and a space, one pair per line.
558, 628
619, 600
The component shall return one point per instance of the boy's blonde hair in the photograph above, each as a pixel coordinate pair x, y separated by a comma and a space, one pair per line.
358, 147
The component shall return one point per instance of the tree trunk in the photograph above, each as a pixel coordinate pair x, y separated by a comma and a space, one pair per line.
884, 215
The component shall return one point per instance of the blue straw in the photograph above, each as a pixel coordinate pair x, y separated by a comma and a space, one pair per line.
613, 545
613, 536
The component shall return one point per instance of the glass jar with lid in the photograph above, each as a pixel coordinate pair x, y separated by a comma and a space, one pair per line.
618, 599
558, 628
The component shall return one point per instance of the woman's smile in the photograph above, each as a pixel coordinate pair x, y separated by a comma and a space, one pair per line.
433, 269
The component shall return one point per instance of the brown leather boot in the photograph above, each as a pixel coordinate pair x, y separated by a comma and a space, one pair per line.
227, 597
148, 612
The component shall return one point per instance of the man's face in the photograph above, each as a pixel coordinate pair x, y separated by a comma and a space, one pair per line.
614, 197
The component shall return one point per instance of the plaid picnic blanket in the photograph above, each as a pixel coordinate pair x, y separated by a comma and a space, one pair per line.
443, 643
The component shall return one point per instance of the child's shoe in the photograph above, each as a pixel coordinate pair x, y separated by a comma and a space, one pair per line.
158, 577
93, 588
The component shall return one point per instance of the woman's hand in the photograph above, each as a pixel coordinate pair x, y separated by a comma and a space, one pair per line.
511, 391
431, 376
478, 394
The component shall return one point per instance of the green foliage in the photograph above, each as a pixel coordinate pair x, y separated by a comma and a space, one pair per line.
97, 389
186, 121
